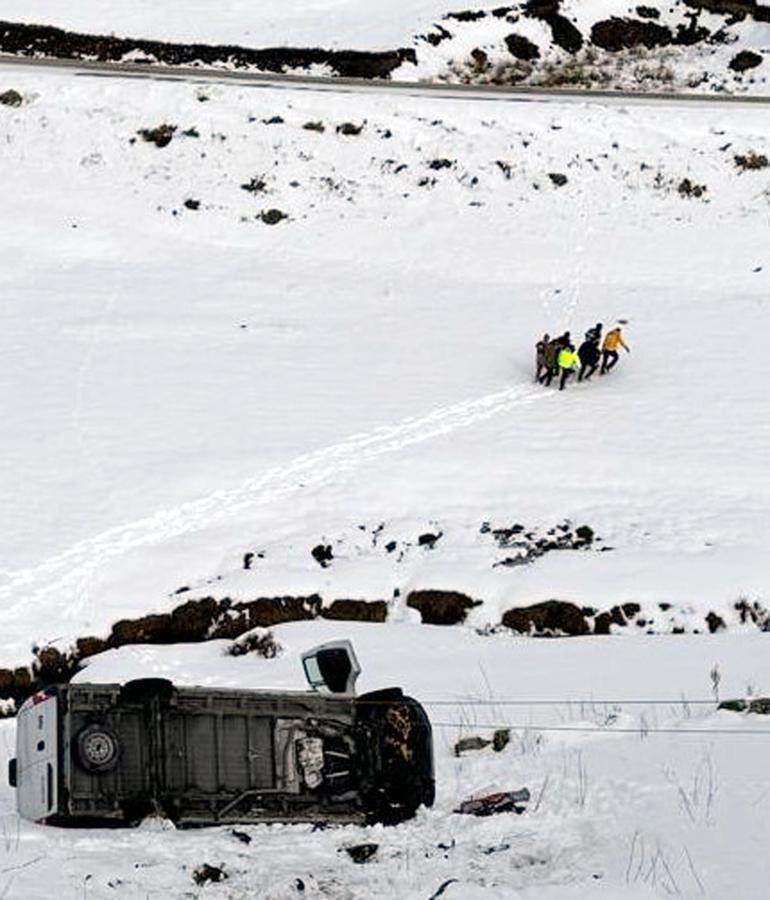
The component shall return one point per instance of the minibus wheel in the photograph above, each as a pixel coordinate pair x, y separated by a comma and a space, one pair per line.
97, 748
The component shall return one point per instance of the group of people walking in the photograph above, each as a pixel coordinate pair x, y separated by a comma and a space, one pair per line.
557, 356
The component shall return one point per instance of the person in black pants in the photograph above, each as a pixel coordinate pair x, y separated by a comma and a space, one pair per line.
612, 341
550, 355
589, 359
568, 363
540, 356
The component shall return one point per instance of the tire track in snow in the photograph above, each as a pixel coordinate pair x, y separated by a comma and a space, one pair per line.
69, 573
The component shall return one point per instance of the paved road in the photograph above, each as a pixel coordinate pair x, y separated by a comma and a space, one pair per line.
518, 94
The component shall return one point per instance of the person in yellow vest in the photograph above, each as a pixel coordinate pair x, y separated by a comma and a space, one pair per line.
613, 339
569, 362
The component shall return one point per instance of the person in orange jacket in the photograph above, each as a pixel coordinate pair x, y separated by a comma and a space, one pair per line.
612, 340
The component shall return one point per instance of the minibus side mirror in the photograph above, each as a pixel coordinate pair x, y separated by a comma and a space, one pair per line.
12, 773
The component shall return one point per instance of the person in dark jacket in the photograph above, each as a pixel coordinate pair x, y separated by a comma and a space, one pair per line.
589, 358
552, 352
595, 334
551, 361
540, 354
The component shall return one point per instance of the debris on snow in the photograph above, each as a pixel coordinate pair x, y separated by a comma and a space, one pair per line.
273, 216
161, 135
208, 873
758, 705
745, 60
349, 129
751, 161
322, 554
499, 742
437, 164
255, 185
689, 188
466, 744
429, 540
11, 98
362, 853
492, 804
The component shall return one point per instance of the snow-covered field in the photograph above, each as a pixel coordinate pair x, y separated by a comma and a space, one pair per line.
184, 384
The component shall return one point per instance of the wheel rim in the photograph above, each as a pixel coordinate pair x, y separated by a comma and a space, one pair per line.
98, 748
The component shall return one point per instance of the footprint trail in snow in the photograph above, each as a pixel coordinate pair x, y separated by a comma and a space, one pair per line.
68, 574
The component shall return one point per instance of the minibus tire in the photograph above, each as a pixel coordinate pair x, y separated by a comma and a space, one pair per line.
97, 748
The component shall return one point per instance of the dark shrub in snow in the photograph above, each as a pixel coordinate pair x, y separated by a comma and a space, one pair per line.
273, 216
261, 644
160, 136
441, 607
745, 60
429, 540
348, 128
618, 615
440, 164
265, 612
751, 161
356, 611
620, 34
553, 617
521, 47
689, 188
322, 554
46, 40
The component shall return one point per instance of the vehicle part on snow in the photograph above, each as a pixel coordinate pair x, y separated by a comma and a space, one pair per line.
500, 739
491, 804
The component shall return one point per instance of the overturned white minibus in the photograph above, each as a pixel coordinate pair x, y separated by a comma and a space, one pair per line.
113, 754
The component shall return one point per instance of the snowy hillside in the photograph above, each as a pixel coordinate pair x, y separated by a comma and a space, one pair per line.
688, 45
185, 384
258, 343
